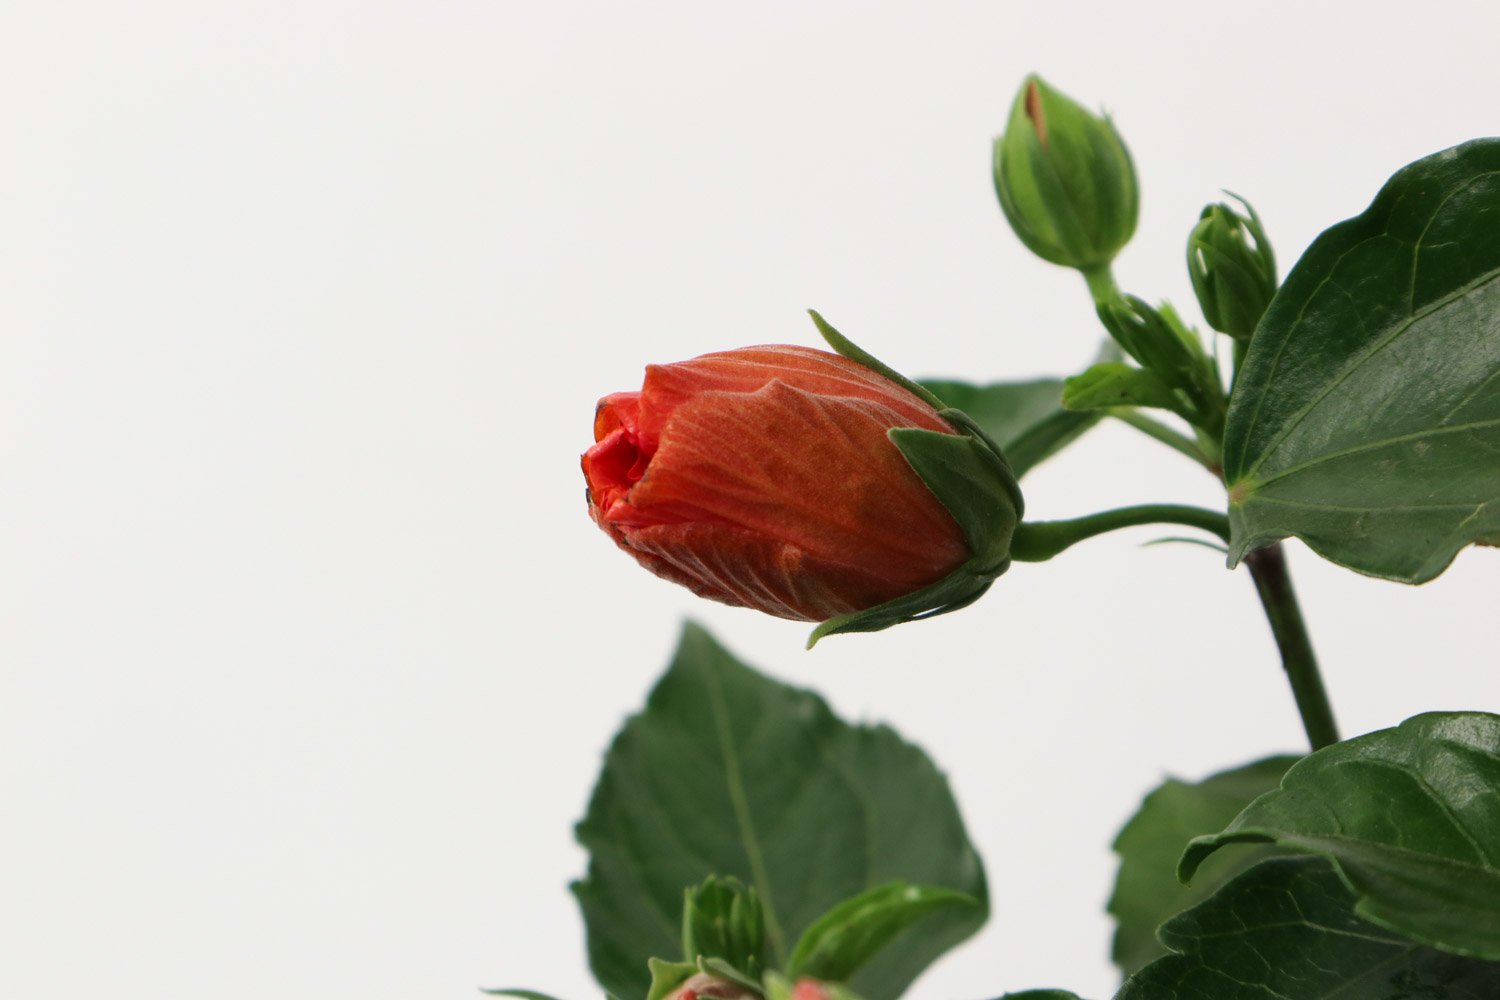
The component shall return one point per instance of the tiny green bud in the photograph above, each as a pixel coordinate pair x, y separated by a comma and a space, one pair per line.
1232, 267
1065, 179
723, 918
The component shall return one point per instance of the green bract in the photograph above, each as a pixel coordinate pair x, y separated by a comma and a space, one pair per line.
969, 474
1065, 179
1232, 267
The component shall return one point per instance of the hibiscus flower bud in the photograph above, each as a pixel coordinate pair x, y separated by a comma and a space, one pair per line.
778, 987
1065, 180
706, 986
785, 479
1232, 267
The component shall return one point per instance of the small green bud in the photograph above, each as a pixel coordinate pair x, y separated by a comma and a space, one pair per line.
1154, 337
723, 918
1065, 179
1232, 267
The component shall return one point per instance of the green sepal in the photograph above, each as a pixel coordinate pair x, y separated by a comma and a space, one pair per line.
1115, 383
838, 943
953, 592
1234, 282
667, 976
723, 970
1152, 339
973, 482
845, 347
970, 476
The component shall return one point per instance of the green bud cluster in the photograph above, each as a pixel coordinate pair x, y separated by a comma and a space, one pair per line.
723, 918
1065, 180
1232, 267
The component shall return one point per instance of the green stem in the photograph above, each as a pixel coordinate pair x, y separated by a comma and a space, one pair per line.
1038, 541
1274, 585
1101, 283
1161, 432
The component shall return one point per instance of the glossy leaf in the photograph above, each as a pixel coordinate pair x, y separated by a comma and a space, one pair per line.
849, 935
1147, 891
728, 772
1286, 930
1041, 995
1409, 816
1026, 419
1366, 418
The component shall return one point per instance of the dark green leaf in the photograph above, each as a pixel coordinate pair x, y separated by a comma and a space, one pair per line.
730, 773
1366, 418
1147, 891
1410, 818
842, 940
1041, 995
1026, 419
1286, 930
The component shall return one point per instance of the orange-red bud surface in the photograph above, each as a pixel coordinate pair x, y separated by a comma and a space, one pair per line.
763, 478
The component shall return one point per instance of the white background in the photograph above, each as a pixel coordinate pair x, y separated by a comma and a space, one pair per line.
310, 651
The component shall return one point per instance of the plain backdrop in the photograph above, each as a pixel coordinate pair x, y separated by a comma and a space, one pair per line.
310, 652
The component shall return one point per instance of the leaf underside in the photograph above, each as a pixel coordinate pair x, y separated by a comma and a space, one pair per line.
1366, 418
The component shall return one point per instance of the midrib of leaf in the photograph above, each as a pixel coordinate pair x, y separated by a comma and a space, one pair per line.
743, 819
1401, 330
1372, 445
1289, 502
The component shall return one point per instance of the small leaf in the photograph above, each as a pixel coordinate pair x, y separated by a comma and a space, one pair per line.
1410, 818
847, 936
727, 772
1041, 995
1286, 930
1366, 418
723, 970
522, 994
667, 976
1026, 419
1115, 383
1147, 891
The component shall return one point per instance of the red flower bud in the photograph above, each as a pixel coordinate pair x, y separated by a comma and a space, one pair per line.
809, 989
763, 478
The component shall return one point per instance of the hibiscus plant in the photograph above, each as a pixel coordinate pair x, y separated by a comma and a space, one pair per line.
745, 842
